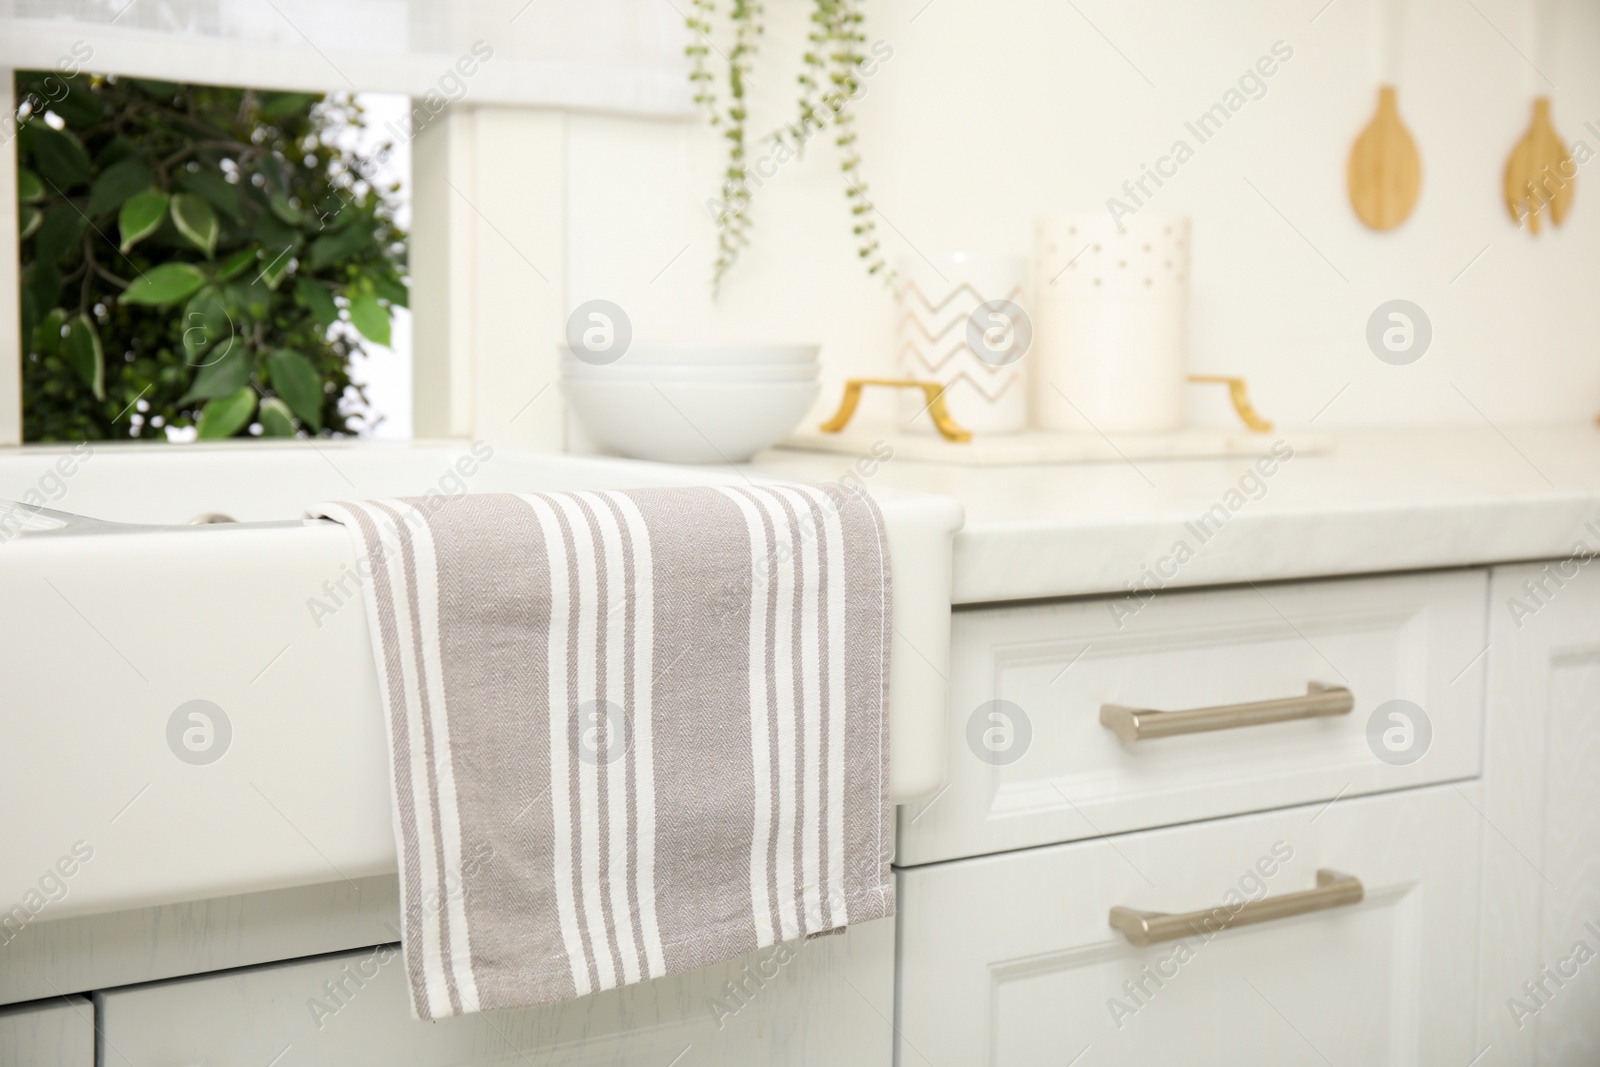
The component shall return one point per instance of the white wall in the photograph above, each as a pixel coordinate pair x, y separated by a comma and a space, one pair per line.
992, 111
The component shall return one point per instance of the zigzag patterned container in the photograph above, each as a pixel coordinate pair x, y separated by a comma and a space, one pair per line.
938, 328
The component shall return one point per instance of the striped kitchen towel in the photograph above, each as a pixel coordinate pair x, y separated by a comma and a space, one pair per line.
631, 732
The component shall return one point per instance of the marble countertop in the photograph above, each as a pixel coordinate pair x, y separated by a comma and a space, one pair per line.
1381, 500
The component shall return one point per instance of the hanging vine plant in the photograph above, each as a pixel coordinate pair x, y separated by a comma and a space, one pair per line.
830, 80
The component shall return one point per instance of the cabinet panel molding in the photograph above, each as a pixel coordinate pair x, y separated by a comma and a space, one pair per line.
1033, 763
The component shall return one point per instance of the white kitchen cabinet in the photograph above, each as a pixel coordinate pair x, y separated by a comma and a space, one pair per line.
1031, 763
1010, 961
826, 1001
51, 1033
1540, 991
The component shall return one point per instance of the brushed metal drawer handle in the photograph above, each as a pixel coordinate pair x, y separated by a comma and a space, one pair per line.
1142, 724
1141, 928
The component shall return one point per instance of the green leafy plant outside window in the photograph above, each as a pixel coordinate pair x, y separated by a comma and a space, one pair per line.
186, 254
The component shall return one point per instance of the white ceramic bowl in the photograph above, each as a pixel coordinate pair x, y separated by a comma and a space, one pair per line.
702, 354
682, 422
622, 371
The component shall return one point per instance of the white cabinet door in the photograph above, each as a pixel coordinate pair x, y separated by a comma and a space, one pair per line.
826, 1001
1010, 961
1030, 762
1540, 992
52, 1033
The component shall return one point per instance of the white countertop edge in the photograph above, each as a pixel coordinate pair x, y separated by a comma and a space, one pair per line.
1264, 548
1381, 500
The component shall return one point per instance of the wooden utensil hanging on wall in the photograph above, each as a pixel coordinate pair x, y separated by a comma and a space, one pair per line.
1540, 172
1385, 171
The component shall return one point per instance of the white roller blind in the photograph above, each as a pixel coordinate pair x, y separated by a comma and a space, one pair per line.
610, 55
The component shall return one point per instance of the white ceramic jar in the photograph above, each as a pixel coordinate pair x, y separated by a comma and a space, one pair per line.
1110, 306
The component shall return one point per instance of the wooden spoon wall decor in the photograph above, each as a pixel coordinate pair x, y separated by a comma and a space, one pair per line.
1385, 171
1540, 172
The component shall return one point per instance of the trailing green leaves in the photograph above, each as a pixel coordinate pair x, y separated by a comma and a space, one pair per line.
164, 285
832, 67
141, 216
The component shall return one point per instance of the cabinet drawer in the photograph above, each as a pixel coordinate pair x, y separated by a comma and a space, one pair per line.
353, 1008
1010, 961
51, 1033
1030, 762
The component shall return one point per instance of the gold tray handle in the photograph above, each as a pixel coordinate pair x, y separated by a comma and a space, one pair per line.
951, 430
1239, 393
948, 428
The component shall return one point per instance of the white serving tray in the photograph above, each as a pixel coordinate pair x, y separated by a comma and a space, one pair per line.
1043, 446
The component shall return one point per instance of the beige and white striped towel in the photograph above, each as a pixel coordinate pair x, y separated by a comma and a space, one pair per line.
631, 733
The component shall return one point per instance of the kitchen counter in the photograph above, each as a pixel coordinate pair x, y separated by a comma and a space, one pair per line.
1381, 500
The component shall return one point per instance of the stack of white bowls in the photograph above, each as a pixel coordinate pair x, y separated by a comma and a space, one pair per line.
692, 403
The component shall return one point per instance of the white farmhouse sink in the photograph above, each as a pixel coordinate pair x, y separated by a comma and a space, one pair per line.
113, 620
